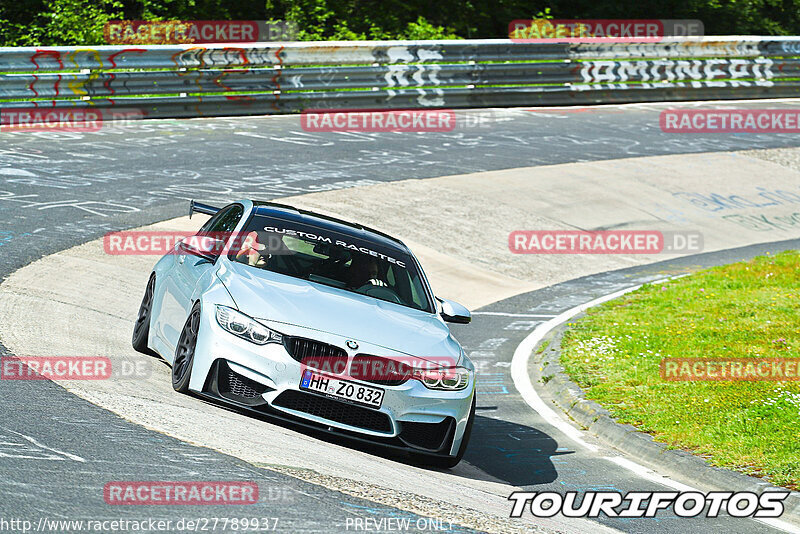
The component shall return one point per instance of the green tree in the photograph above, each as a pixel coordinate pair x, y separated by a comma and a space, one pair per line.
78, 22
73, 22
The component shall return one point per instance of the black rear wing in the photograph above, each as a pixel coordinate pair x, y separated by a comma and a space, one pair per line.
197, 207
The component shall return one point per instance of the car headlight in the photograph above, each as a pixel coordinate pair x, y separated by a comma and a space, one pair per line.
245, 327
443, 379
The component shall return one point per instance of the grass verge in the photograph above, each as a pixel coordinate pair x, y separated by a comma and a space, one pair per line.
747, 309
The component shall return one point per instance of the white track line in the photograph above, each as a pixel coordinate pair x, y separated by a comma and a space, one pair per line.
522, 381
648, 474
519, 369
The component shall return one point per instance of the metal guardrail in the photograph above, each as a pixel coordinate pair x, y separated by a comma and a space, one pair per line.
187, 80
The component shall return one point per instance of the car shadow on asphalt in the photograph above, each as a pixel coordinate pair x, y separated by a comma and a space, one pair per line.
498, 451
512, 453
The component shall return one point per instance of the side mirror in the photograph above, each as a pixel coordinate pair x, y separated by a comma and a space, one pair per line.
203, 247
453, 312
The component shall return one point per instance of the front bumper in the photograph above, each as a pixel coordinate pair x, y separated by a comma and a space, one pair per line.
266, 379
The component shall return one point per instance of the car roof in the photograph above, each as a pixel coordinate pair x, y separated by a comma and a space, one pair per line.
325, 222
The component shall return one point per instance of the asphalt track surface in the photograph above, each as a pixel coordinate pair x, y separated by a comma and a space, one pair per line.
59, 189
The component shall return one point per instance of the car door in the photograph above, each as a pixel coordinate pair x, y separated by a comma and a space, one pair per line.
181, 287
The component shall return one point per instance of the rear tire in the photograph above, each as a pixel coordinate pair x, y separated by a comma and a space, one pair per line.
184, 352
449, 462
141, 330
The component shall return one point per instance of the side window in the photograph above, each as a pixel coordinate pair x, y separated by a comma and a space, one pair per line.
229, 220
410, 288
418, 292
222, 224
224, 220
205, 228
209, 223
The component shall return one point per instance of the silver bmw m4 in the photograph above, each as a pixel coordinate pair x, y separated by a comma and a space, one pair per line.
315, 320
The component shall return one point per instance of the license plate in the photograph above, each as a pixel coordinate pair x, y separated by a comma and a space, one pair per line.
342, 389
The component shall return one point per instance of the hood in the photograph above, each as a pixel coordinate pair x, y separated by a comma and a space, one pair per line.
279, 298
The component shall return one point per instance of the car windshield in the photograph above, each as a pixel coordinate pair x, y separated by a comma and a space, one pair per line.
331, 258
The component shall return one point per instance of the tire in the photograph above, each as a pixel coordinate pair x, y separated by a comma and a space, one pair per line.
184, 352
450, 461
141, 329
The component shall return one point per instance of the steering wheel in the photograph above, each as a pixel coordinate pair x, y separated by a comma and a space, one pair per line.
380, 292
